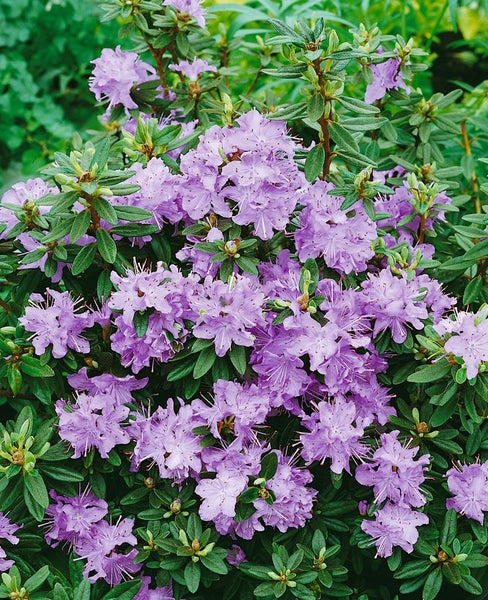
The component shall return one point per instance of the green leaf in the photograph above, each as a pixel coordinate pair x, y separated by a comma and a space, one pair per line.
432, 585
135, 230
249, 495
35, 582
141, 322
264, 590
106, 246
124, 591
80, 225
449, 527
342, 137
315, 108
247, 264
303, 593
295, 560
269, 465
132, 213
32, 366
357, 106
180, 370
314, 163
214, 564
430, 373
61, 473
82, 592
105, 210
192, 576
470, 584
14, 378
59, 593
238, 358
83, 259
37, 488
204, 363
472, 290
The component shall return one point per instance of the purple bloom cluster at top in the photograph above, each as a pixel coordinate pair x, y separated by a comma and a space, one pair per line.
246, 172
114, 75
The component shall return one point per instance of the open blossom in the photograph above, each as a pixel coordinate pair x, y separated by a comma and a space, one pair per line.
393, 472
469, 483
102, 553
70, 518
191, 8
468, 338
394, 525
394, 302
7, 532
386, 76
166, 439
93, 421
114, 75
227, 312
55, 321
342, 237
193, 69
334, 432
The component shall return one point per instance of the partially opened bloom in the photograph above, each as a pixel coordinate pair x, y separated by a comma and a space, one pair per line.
386, 76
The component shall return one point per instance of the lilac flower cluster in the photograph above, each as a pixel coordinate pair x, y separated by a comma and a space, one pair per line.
55, 321
79, 521
114, 75
396, 479
246, 172
386, 76
163, 296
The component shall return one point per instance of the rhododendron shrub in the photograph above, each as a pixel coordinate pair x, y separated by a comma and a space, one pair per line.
243, 336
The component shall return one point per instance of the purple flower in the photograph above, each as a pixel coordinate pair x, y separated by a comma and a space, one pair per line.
54, 321
235, 555
334, 432
468, 339
114, 75
194, 69
227, 312
468, 483
343, 238
386, 76
7, 531
22, 196
393, 472
394, 302
234, 411
394, 525
159, 593
94, 421
191, 8
166, 439
117, 388
70, 518
101, 550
